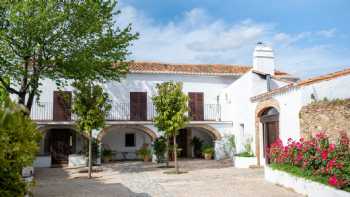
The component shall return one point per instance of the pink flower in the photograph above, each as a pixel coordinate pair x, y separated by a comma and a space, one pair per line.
333, 181
324, 154
331, 147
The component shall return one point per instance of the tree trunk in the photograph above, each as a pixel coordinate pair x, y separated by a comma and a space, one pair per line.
90, 155
175, 155
167, 151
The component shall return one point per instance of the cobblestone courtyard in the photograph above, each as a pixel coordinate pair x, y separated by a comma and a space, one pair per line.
129, 179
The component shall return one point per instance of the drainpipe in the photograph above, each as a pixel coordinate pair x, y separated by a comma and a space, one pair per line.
268, 82
218, 110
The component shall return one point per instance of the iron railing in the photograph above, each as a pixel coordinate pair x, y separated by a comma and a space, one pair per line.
43, 111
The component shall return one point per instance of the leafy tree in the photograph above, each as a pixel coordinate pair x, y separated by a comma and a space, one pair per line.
171, 105
59, 40
91, 105
19, 140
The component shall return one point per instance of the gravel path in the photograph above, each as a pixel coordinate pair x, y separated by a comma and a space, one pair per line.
136, 179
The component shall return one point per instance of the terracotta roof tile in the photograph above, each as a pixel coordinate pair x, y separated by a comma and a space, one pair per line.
153, 67
201, 69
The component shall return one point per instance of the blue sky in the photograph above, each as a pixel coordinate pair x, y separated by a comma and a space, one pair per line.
309, 37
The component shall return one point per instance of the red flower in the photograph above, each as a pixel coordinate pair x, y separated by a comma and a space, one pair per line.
324, 154
331, 147
333, 181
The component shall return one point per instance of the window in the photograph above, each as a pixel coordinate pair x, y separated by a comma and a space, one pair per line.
130, 140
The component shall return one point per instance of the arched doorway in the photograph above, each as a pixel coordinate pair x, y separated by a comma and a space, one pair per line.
270, 125
123, 141
191, 138
60, 142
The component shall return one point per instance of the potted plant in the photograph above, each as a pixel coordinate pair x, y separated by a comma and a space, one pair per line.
145, 153
196, 144
208, 151
171, 152
107, 155
246, 158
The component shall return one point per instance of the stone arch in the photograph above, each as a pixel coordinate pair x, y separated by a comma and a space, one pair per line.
211, 130
46, 128
142, 128
260, 108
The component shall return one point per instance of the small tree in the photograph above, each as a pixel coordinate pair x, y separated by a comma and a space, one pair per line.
171, 105
19, 140
91, 105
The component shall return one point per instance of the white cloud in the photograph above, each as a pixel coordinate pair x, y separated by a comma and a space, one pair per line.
196, 37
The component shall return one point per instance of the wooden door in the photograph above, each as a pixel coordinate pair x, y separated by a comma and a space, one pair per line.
62, 101
271, 133
60, 146
196, 105
138, 106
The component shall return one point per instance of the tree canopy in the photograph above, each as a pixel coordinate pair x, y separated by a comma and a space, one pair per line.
91, 106
60, 40
171, 106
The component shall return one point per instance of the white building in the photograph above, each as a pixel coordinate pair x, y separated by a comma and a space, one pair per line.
224, 100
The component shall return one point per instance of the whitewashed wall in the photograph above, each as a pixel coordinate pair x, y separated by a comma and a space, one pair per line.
292, 101
240, 110
114, 139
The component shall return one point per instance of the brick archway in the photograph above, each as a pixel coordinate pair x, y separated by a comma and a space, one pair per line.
260, 108
210, 130
144, 129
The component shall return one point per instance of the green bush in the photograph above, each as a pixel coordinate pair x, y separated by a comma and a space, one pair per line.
245, 154
144, 152
19, 140
159, 148
208, 149
197, 145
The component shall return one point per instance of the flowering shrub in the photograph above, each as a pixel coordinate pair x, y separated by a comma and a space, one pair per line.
316, 157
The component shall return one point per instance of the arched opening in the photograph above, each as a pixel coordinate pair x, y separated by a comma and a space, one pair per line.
192, 138
123, 141
60, 142
270, 127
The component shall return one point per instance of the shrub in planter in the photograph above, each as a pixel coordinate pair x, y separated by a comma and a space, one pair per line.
197, 145
145, 153
171, 152
159, 148
107, 155
317, 159
247, 149
208, 151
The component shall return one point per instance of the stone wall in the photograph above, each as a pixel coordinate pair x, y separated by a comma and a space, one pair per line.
331, 117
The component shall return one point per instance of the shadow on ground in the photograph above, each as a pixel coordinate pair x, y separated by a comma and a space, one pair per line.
184, 165
58, 182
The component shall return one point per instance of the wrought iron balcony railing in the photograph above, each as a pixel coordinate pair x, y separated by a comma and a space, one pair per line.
44, 111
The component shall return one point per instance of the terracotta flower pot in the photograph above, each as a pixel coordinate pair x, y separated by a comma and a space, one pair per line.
146, 158
208, 156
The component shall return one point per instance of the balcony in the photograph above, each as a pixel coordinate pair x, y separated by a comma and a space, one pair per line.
44, 111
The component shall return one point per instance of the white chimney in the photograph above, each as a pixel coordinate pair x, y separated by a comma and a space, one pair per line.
263, 59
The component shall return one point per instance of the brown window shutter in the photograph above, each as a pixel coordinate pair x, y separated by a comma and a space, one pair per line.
62, 105
138, 106
196, 106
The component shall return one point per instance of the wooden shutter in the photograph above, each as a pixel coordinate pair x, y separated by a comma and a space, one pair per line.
138, 106
62, 104
196, 105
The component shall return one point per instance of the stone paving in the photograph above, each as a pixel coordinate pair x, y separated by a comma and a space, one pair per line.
137, 179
